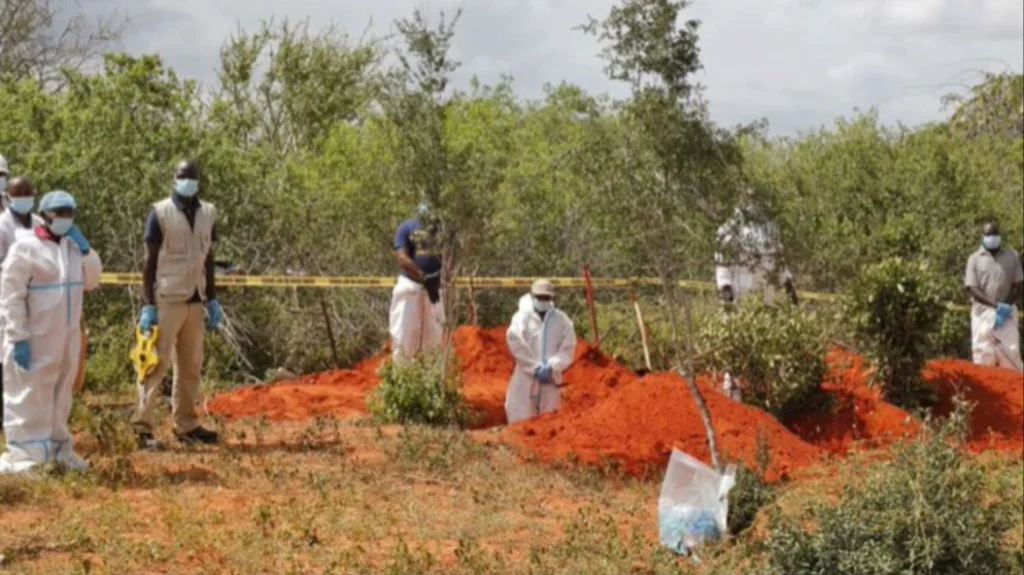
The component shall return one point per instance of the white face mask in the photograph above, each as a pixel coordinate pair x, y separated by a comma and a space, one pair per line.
542, 306
991, 242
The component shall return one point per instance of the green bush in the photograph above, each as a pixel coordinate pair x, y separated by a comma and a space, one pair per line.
417, 392
751, 493
776, 351
930, 510
896, 310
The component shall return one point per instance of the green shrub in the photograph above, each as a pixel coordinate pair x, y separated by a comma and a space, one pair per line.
895, 310
776, 351
751, 493
926, 511
418, 393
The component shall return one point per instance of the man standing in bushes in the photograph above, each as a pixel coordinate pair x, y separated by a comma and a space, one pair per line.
748, 263
542, 340
995, 281
178, 284
16, 219
45, 276
417, 314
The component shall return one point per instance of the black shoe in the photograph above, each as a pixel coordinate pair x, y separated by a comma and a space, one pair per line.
146, 441
199, 436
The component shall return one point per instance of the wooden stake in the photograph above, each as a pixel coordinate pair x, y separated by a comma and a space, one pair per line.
643, 331
590, 306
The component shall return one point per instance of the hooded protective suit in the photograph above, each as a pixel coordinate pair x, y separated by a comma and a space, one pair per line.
10, 230
41, 293
533, 342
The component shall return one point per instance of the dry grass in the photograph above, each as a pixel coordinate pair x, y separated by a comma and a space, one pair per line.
327, 497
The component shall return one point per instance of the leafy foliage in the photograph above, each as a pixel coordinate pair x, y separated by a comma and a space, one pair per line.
419, 392
922, 513
775, 352
895, 311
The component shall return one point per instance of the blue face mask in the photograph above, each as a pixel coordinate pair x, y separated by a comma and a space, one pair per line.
186, 188
61, 226
991, 242
3, 183
22, 205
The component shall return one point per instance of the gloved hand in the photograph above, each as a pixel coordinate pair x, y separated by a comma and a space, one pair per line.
147, 319
1003, 313
23, 355
432, 283
75, 235
545, 374
215, 314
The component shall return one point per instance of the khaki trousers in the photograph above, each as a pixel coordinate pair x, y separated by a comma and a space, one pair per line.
182, 326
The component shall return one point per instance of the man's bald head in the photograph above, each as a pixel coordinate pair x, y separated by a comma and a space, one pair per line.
20, 187
186, 170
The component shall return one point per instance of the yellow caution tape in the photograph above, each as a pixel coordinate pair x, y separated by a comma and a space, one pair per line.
492, 282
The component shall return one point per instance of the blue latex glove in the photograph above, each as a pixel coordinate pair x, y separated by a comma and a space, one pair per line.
23, 355
544, 374
75, 235
1003, 313
215, 314
147, 319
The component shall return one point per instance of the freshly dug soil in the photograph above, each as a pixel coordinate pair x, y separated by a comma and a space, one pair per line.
609, 414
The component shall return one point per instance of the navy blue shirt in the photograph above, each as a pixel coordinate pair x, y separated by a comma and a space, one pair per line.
421, 244
154, 235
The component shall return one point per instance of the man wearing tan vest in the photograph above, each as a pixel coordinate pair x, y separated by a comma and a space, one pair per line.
178, 286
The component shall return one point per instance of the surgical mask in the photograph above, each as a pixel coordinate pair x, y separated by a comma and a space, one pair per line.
542, 306
22, 205
3, 183
61, 226
991, 242
186, 188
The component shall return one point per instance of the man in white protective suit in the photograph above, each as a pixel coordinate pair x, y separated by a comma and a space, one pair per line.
995, 281
542, 340
747, 263
416, 322
748, 260
17, 218
45, 276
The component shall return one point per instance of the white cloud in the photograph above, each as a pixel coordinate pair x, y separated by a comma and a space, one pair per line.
800, 63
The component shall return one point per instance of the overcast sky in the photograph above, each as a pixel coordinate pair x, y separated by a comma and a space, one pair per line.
798, 63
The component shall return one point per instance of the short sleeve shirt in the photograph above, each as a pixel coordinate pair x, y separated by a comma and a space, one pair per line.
420, 243
995, 274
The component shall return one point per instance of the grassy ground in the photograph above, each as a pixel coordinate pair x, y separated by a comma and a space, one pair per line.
346, 498
328, 497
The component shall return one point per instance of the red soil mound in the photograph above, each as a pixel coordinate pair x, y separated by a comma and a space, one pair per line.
640, 422
997, 421
858, 416
486, 368
610, 413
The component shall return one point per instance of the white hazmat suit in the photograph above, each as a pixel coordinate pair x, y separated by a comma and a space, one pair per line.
10, 230
533, 342
41, 293
748, 262
992, 346
415, 325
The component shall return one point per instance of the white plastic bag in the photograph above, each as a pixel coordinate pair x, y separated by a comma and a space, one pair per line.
694, 504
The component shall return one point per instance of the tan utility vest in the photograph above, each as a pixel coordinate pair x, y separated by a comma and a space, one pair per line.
181, 266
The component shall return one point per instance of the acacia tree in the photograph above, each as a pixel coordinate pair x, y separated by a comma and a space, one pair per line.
38, 38
674, 171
